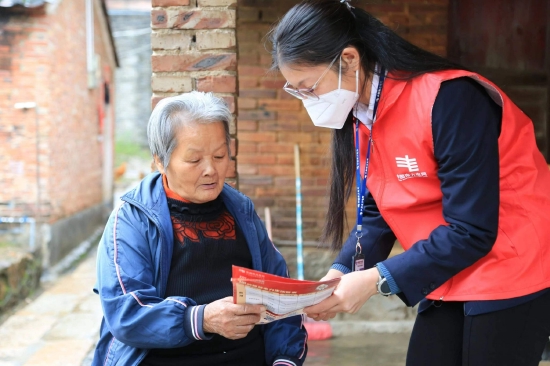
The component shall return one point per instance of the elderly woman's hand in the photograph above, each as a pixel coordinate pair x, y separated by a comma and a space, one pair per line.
232, 321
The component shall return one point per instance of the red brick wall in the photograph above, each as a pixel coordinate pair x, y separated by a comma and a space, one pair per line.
47, 65
271, 121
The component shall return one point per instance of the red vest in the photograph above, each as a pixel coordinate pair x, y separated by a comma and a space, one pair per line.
410, 199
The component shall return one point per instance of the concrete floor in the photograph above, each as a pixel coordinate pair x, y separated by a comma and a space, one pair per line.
372, 349
368, 349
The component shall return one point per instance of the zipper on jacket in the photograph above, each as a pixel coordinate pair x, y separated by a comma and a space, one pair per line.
139, 206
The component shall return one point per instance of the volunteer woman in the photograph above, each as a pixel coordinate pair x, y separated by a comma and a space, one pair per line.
448, 165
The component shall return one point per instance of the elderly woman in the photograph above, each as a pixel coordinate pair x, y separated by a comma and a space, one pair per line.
164, 261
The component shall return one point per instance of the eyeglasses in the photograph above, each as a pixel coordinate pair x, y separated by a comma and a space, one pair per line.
308, 93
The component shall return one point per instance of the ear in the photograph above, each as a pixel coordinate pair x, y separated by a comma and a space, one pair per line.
158, 164
350, 56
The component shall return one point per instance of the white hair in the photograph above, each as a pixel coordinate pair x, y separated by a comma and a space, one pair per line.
173, 112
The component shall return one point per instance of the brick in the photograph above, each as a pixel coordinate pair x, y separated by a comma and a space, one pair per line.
170, 2
285, 159
269, 83
279, 125
257, 115
216, 39
257, 136
174, 40
233, 127
247, 126
265, 60
428, 8
321, 181
275, 148
264, 202
257, 93
248, 47
272, 15
246, 103
203, 3
325, 138
258, 159
285, 4
194, 62
159, 18
276, 192
315, 171
286, 181
248, 59
171, 83
232, 182
247, 169
294, 137
248, 14
247, 147
308, 127
218, 84
256, 180
247, 82
428, 29
400, 20
247, 35
276, 170
249, 71
316, 148
185, 18
230, 101
232, 169
233, 145
376, 9
280, 105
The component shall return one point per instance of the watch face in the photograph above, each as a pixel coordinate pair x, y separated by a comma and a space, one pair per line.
385, 287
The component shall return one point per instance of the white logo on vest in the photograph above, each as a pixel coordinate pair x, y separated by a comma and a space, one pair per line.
412, 166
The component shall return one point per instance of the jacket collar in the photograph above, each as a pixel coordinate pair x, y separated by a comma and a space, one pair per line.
392, 89
149, 195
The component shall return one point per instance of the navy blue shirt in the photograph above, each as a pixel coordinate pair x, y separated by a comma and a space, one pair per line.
466, 125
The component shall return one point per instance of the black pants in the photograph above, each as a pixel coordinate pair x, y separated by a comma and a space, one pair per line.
444, 336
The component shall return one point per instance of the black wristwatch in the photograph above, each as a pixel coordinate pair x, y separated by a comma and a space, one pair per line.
382, 285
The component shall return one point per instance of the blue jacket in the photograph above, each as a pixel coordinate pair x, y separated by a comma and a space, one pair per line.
133, 263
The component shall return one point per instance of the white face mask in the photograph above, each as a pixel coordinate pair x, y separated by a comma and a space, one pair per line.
332, 108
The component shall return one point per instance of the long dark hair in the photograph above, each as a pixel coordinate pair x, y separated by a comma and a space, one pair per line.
315, 31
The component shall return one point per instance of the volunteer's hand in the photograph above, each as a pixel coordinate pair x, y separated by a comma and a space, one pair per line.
332, 273
354, 289
232, 321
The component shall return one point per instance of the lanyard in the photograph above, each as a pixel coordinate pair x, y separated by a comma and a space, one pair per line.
362, 183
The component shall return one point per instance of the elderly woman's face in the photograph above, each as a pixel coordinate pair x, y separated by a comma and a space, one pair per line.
199, 163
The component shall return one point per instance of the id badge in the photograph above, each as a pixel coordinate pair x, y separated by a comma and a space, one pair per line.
358, 262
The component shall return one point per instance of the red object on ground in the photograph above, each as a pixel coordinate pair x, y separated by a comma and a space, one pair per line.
317, 331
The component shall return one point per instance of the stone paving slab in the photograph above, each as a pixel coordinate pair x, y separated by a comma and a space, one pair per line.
61, 353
